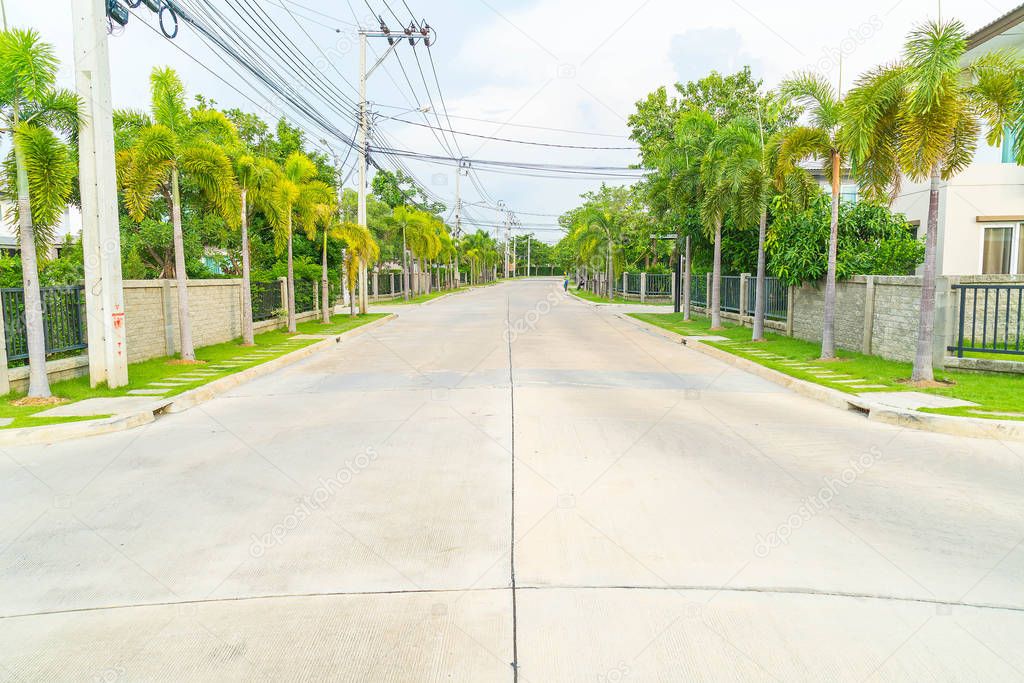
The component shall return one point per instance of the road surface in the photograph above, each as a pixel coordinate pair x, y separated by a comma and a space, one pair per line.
513, 483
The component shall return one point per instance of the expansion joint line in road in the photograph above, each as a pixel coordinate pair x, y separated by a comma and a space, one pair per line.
512, 543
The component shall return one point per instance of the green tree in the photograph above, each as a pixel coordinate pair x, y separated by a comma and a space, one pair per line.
258, 179
40, 172
922, 117
821, 138
871, 241
306, 204
172, 141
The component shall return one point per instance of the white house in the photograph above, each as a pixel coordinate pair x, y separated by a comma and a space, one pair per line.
70, 224
981, 210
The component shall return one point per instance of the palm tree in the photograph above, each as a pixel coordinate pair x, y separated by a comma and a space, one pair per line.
361, 249
425, 244
821, 139
31, 108
922, 118
751, 168
172, 141
408, 220
597, 231
258, 178
696, 167
306, 204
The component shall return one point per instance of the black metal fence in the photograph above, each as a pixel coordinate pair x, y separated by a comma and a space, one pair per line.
731, 293
989, 319
699, 290
266, 299
305, 296
776, 298
64, 320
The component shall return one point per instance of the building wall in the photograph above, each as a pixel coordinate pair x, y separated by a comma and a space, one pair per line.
983, 189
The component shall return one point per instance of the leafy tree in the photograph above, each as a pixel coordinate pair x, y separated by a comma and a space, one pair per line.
174, 140
922, 117
870, 241
40, 170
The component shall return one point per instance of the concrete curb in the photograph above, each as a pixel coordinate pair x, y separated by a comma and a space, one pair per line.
876, 412
175, 404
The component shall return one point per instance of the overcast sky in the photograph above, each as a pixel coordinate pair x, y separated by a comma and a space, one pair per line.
569, 64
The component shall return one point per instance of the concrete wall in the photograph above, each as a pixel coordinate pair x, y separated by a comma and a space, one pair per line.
151, 325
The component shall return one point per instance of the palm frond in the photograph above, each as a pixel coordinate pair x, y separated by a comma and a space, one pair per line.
168, 99
51, 168
28, 66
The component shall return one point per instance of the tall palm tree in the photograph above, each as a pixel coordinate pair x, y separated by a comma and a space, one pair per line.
171, 141
597, 231
362, 248
408, 220
695, 164
258, 179
922, 118
751, 168
31, 109
306, 204
821, 138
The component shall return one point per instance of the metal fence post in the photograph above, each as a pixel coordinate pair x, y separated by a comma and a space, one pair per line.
5, 383
744, 297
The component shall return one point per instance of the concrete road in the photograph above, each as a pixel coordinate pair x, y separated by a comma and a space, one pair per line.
510, 482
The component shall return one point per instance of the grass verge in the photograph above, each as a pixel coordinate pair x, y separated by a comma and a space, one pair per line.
994, 392
588, 296
217, 361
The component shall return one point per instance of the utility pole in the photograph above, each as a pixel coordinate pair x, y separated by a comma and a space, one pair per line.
528, 273
413, 33
101, 237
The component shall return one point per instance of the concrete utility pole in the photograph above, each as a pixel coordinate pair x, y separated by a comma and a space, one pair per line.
101, 237
413, 33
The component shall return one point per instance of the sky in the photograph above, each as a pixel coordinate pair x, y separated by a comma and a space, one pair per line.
521, 65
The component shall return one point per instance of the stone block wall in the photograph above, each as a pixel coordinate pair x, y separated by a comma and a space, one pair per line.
808, 303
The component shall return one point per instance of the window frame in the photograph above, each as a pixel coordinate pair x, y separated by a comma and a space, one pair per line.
1016, 232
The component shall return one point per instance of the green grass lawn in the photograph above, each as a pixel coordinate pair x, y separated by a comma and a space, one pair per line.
996, 392
423, 298
588, 296
269, 345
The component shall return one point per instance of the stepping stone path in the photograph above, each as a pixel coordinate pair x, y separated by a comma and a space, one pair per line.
148, 392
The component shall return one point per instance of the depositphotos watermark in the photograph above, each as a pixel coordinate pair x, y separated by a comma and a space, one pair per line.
816, 504
308, 505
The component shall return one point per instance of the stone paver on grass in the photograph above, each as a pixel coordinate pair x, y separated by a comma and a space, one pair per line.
99, 406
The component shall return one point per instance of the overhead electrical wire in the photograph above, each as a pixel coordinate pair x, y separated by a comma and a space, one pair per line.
514, 140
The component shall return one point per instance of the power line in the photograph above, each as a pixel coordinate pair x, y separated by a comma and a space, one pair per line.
523, 125
513, 140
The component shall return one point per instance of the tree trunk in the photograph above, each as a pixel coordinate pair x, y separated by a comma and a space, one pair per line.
828, 328
923, 371
38, 382
405, 267
760, 286
716, 279
248, 336
325, 289
611, 273
363, 281
352, 306
291, 280
188, 351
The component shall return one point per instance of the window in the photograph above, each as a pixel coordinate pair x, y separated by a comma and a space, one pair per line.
848, 193
1009, 140
1003, 250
